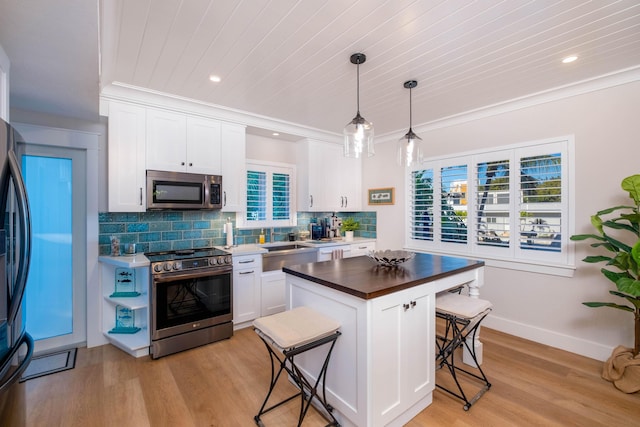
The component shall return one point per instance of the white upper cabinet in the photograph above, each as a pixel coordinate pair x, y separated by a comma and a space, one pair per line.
327, 181
203, 146
127, 140
233, 167
180, 143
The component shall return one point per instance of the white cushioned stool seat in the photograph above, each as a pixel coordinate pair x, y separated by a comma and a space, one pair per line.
461, 305
296, 327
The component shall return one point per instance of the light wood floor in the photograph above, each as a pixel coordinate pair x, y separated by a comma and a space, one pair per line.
223, 384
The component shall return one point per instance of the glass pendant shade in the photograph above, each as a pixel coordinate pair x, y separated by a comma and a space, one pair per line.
409, 151
358, 137
358, 133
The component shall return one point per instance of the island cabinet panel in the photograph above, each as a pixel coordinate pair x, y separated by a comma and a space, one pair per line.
401, 346
348, 369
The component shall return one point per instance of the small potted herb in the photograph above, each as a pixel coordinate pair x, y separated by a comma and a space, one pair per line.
349, 225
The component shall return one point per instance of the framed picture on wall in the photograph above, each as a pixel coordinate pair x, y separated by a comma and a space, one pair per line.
381, 196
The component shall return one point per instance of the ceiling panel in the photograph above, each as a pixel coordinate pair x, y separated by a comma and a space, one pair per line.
289, 59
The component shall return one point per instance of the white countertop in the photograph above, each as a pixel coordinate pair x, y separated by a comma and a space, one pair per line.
251, 249
130, 261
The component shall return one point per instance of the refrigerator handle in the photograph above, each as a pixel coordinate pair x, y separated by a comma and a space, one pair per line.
26, 339
24, 217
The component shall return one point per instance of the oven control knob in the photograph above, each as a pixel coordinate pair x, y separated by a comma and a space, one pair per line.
228, 259
157, 268
177, 265
166, 266
219, 260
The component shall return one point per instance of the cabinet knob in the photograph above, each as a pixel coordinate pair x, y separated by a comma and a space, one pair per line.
190, 164
405, 306
413, 304
181, 163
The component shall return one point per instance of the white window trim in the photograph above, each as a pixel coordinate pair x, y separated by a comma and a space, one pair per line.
270, 168
565, 267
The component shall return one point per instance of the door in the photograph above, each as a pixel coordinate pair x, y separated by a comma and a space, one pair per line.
55, 178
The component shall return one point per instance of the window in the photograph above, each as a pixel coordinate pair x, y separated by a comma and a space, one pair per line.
510, 204
270, 195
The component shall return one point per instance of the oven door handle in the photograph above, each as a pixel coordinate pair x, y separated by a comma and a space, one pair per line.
172, 277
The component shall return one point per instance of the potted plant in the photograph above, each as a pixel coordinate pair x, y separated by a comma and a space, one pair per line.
349, 225
620, 235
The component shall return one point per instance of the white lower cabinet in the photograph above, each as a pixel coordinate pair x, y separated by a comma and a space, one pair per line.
327, 253
273, 292
360, 249
247, 272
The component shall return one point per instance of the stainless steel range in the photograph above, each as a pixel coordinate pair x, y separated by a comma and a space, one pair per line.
191, 299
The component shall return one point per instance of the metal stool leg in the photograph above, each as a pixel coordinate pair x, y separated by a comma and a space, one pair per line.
307, 391
457, 332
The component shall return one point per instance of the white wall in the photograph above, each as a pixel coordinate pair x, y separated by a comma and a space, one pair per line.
270, 149
540, 307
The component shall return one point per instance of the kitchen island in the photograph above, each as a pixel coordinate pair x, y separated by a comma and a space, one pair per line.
382, 370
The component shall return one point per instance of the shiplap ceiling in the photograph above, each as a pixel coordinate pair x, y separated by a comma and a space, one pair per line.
289, 60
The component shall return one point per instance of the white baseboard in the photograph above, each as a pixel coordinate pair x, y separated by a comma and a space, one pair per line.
551, 338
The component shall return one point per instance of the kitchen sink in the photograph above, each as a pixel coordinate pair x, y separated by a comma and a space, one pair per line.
285, 255
283, 247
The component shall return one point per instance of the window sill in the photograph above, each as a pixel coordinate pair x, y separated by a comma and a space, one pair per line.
519, 265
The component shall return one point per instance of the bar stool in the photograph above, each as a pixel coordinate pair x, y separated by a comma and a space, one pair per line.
287, 335
462, 316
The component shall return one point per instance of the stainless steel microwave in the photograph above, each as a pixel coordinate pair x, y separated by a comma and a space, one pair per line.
178, 190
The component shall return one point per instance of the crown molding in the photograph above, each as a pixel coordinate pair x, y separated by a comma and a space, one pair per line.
150, 98
628, 75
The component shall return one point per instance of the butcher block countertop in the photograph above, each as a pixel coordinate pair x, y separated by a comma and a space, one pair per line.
363, 278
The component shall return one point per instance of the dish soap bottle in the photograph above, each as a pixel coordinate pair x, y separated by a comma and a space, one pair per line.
261, 236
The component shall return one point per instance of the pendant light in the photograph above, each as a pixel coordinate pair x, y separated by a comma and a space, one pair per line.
410, 145
358, 133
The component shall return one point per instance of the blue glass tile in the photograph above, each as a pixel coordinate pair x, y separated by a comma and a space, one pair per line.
202, 243
149, 237
160, 226
202, 225
181, 244
172, 235
137, 227
172, 216
195, 234
181, 225
111, 228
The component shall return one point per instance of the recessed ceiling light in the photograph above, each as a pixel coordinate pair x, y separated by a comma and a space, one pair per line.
214, 78
569, 59
275, 134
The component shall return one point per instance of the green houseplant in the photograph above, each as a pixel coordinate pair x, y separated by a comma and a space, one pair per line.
618, 231
349, 225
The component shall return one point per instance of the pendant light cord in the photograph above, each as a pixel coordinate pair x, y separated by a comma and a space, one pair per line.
358, 83
410, 109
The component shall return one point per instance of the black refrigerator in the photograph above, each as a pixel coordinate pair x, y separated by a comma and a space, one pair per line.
16, 345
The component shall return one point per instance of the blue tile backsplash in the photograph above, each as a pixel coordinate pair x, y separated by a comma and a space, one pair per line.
169, 230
